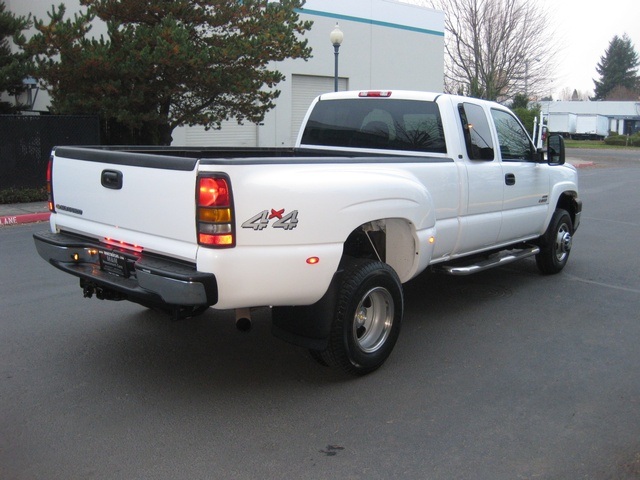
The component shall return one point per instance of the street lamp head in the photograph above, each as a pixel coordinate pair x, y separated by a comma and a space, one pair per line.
336, 36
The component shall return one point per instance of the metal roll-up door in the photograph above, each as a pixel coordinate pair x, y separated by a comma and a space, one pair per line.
305, 88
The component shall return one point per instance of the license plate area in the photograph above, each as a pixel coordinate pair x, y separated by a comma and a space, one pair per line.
116, 263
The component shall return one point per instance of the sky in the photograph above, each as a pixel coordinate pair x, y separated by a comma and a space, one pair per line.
582, 29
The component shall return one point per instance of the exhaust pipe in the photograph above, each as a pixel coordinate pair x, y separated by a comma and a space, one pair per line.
243, 319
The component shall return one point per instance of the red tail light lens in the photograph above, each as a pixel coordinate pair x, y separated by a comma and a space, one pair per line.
52, 207
213, 192
375, 94
215, 214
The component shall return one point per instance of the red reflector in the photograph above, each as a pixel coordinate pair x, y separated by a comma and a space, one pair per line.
213, 192
376, 94
119, 243
50, 185
220, 240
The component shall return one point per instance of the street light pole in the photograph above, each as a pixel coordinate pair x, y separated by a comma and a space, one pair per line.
336, 36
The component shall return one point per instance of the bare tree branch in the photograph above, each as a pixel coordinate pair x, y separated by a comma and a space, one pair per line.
496, 49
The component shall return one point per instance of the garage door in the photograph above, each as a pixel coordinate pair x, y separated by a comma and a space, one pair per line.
305, 89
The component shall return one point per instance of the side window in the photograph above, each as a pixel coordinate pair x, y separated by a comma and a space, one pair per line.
476, 130
514, 141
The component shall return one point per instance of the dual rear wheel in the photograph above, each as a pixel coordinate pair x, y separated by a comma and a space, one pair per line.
367, 318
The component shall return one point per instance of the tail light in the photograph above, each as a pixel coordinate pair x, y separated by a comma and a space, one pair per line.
52, 207
215, 212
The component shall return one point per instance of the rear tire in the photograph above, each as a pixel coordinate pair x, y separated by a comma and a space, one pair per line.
367, 318
555, 244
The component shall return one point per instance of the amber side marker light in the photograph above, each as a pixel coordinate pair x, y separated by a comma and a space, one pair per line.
313, 260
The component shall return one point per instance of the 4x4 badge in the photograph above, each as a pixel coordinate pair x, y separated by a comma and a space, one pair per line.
262, 220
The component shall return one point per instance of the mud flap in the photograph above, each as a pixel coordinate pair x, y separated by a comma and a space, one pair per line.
308, 326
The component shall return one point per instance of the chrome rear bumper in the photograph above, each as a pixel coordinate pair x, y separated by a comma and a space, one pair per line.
145, 279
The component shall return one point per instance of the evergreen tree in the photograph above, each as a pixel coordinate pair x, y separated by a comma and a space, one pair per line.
520, 100
167, 63
14, 67
617, 68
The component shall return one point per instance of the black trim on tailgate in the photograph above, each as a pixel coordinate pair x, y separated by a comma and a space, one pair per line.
133, 158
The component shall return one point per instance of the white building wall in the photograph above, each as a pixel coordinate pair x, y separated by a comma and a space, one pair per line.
387, 45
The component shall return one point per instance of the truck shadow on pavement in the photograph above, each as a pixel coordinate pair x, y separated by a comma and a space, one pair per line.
142, 346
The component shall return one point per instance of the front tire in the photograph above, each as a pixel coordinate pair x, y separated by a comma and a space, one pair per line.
555, 244
367, 318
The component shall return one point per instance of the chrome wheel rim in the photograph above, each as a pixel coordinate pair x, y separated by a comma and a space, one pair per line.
563, 243
373, 319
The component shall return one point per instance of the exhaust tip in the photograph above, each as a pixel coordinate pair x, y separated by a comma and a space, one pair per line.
243, 324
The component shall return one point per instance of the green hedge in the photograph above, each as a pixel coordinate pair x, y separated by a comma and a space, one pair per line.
23, 195
623, 140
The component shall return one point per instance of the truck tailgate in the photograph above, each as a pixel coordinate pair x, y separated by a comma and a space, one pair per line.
136, 198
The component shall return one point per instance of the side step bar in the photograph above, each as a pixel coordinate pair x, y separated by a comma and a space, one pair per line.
497, 260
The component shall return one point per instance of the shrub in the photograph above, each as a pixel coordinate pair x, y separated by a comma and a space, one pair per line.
527, 116
623, 140
23, 195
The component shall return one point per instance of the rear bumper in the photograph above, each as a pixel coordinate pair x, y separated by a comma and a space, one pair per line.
150, 280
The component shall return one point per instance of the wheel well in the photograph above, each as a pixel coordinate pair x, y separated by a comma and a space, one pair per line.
392, 241
567, 201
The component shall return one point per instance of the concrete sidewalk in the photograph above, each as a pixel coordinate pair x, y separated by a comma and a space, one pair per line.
17, 213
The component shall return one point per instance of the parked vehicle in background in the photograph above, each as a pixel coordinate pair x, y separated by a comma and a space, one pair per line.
591, 127
564, 124
579, 127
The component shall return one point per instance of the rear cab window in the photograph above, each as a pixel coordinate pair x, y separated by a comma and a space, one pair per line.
380, 123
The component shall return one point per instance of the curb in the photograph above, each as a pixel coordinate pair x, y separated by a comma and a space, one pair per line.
6, 220
583, 164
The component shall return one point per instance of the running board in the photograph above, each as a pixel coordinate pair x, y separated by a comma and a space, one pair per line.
497, 260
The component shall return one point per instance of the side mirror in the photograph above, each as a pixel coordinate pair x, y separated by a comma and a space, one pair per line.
555, 150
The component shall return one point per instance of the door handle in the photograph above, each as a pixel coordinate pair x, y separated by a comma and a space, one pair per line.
510, 179
111, 179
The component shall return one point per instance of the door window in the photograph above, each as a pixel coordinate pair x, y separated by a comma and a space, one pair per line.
515, 144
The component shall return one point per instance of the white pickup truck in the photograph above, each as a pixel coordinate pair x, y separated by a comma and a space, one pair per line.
380, 186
